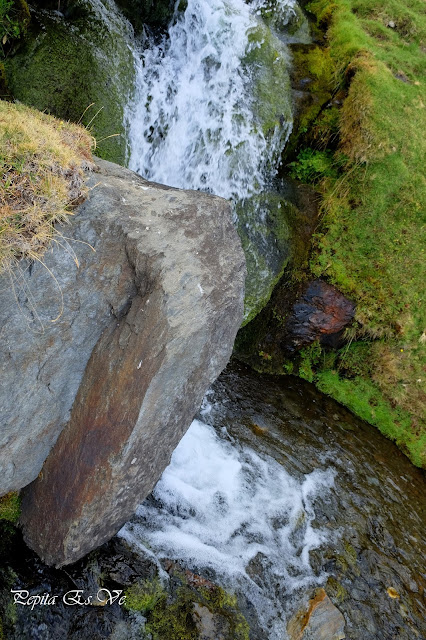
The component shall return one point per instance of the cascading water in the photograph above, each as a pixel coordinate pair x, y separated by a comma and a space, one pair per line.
212, 111
222, 508
193, 122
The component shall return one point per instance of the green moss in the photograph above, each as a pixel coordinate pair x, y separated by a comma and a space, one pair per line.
144, 596
264, 229
336, 590
171, 615
267, 60
64, 66
10, 507
350, 553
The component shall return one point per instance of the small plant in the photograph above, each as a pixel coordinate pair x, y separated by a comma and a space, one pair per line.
264, 355
310, 356
14, 19
311, 166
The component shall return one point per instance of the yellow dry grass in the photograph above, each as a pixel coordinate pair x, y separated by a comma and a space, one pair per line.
42, 163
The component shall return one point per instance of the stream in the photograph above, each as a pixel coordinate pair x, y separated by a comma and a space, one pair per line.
274, 491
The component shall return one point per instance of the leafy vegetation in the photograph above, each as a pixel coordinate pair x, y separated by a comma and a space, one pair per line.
313, 165
41, 164
14, 19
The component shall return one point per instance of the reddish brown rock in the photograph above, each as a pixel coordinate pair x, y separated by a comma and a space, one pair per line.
321, 312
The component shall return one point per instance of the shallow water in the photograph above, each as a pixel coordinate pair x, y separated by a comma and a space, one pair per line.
221, 507
286, 490
263, 451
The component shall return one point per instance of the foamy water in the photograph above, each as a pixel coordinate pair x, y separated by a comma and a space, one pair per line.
192, 122
219, 506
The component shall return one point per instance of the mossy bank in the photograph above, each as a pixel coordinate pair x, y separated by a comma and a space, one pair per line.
358, 140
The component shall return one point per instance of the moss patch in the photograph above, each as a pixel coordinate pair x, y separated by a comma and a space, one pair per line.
10, 507
170, 613
78, 68
264, 225
269, 66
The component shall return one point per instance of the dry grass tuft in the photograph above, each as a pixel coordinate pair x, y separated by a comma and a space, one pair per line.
357, 137
42, 163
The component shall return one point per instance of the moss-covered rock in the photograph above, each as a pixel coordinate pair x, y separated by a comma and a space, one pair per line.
189, 608
262, 220
264, 226
268, 61
155, 13
78, 66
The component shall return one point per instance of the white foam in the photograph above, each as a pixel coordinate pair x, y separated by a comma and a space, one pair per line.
191, 124
219, 505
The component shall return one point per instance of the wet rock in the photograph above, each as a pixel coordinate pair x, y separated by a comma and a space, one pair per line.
321, 620
210, 626
321, 312
144, 326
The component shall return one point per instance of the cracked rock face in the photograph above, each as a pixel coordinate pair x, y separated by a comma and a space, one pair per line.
104, 365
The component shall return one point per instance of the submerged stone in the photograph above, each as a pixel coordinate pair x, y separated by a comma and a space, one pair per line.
321, 620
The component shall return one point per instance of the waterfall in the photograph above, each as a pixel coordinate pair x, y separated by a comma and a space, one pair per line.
212, 111
193, 121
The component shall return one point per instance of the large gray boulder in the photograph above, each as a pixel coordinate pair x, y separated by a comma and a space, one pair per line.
147, 321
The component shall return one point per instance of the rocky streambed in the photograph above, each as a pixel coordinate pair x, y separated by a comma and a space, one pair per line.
315, 522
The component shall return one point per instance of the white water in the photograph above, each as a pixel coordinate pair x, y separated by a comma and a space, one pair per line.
220, 506
191, 124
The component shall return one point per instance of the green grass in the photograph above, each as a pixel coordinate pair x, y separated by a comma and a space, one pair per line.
371, 242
